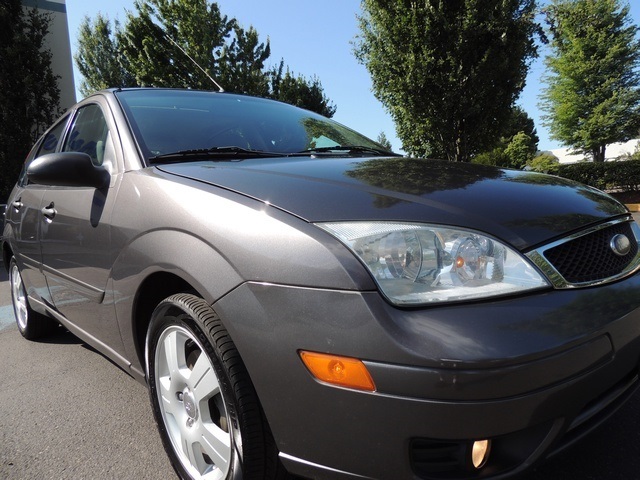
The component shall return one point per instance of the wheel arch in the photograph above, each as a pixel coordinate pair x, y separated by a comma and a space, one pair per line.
155, 288
151, 269
7, 251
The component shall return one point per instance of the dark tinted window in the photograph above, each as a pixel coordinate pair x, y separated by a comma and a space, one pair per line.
88, 133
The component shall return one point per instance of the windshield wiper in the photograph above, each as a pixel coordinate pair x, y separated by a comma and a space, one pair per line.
349, 149
226, 153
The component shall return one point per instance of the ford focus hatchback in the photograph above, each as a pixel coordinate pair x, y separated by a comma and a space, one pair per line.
300, 300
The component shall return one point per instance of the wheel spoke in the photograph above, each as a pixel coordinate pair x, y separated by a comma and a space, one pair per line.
170, 372
170, 403
173, 353
216, 443
193, 453
203, 459
203, 379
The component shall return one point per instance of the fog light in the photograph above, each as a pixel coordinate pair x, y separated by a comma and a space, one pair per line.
480, 453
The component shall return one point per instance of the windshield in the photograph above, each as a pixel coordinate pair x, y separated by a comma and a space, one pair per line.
169, 121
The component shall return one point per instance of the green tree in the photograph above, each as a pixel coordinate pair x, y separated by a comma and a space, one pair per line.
188, 44
450, 71
518, 151
298, 91
384, 141
517, 145
29, 93
495, 157
545, 163
160, 36
99, 59
592, 94
520, 121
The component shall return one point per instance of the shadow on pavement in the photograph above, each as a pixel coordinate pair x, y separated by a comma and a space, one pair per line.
62, 336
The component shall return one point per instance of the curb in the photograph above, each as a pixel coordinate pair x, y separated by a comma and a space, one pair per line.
633, 207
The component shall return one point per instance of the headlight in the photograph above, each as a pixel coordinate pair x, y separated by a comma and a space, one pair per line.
418, 264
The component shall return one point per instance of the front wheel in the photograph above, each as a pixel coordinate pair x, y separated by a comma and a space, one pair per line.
31, 324
205, 406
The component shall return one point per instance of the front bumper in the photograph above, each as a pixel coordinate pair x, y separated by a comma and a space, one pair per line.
532, 373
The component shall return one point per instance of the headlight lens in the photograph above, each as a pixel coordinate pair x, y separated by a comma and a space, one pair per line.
417, 264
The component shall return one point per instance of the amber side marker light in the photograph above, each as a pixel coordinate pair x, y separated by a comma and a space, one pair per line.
342, 371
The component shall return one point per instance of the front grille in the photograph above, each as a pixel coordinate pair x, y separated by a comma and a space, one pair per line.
590, 258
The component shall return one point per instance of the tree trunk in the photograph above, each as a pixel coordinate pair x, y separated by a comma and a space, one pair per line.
598, 153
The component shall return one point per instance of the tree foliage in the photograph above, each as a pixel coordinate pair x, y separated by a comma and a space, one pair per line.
545, 163
296, 90
518, 151
29, 93
186, 44
99, 60
517, 145
448, 71
384, 141
225, 51
520, 121
592, 97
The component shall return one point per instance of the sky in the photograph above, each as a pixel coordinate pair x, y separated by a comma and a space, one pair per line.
316, 38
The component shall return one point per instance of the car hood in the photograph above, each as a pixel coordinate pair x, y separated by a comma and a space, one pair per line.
524, 209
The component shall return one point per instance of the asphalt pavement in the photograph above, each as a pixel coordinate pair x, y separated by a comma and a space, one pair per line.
67, 412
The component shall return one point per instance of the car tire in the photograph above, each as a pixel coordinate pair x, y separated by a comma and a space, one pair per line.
31, 324
204, 403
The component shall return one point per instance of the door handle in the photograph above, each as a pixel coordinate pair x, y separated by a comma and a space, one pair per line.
49, 212
17, 204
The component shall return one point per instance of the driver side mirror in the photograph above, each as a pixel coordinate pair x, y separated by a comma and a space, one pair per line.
67, 169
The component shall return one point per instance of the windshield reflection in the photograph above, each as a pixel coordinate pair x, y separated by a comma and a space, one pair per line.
167, 121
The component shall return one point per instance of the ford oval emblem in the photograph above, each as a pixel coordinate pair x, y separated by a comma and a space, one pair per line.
620, 244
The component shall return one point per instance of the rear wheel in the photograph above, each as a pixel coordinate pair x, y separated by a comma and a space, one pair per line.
31, 324
205, 406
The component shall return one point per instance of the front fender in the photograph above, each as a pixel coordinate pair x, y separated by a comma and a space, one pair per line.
173, 252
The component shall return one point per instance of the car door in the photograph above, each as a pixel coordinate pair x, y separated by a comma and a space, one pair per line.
24, 217
75, 235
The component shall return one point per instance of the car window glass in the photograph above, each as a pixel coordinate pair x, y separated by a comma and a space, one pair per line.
48, 144
168, 121
88, 134
52, 138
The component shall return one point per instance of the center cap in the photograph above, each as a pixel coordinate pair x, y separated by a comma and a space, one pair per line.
190, 404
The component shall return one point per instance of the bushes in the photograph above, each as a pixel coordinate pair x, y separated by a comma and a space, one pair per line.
545, 163
620, 175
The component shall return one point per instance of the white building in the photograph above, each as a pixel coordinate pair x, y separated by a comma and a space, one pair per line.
60, 46
612, 152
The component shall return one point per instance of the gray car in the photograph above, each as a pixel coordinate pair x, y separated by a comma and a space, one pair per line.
300, 300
